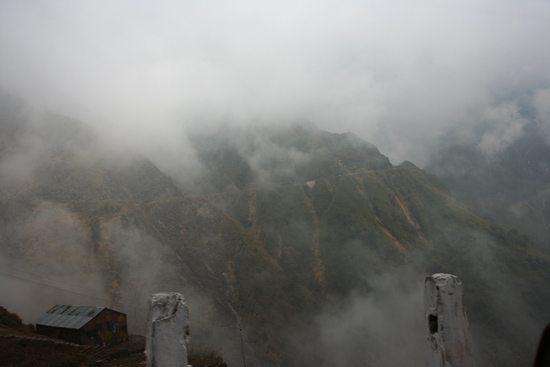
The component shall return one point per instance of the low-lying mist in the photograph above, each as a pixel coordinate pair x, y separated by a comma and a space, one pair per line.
385, 327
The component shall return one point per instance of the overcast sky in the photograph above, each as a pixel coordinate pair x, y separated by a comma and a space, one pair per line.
398, 73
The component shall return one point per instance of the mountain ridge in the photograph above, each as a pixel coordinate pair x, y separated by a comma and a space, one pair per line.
302, 222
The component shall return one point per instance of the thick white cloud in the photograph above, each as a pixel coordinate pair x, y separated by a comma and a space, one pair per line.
398, 73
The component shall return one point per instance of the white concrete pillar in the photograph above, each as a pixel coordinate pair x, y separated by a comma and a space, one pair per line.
167, 331
448, 338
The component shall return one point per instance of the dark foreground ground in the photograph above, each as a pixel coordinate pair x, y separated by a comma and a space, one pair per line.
20, 347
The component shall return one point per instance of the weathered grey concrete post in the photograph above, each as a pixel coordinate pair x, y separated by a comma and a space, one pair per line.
167, 331
449, 342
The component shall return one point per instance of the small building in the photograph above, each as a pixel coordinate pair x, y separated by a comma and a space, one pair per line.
83, 324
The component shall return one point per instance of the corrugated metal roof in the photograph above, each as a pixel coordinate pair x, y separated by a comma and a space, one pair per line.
67, 316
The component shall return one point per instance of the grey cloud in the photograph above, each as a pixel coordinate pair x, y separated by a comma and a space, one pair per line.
385, 328
541, 102
506, 125
56, 253
397, 73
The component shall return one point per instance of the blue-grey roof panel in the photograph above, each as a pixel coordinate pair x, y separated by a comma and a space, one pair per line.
67, 316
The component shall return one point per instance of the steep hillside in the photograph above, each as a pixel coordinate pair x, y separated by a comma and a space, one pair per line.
126, 239
334, 231
311, 242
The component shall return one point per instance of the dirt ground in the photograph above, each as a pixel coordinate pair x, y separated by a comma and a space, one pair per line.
20, 348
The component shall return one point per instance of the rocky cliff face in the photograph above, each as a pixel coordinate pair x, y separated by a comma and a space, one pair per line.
280, 227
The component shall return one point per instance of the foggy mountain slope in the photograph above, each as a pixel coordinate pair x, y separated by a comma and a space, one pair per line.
121, 253
512, 186
335, 233
119, 231
60, 159
264, 156
308, 228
